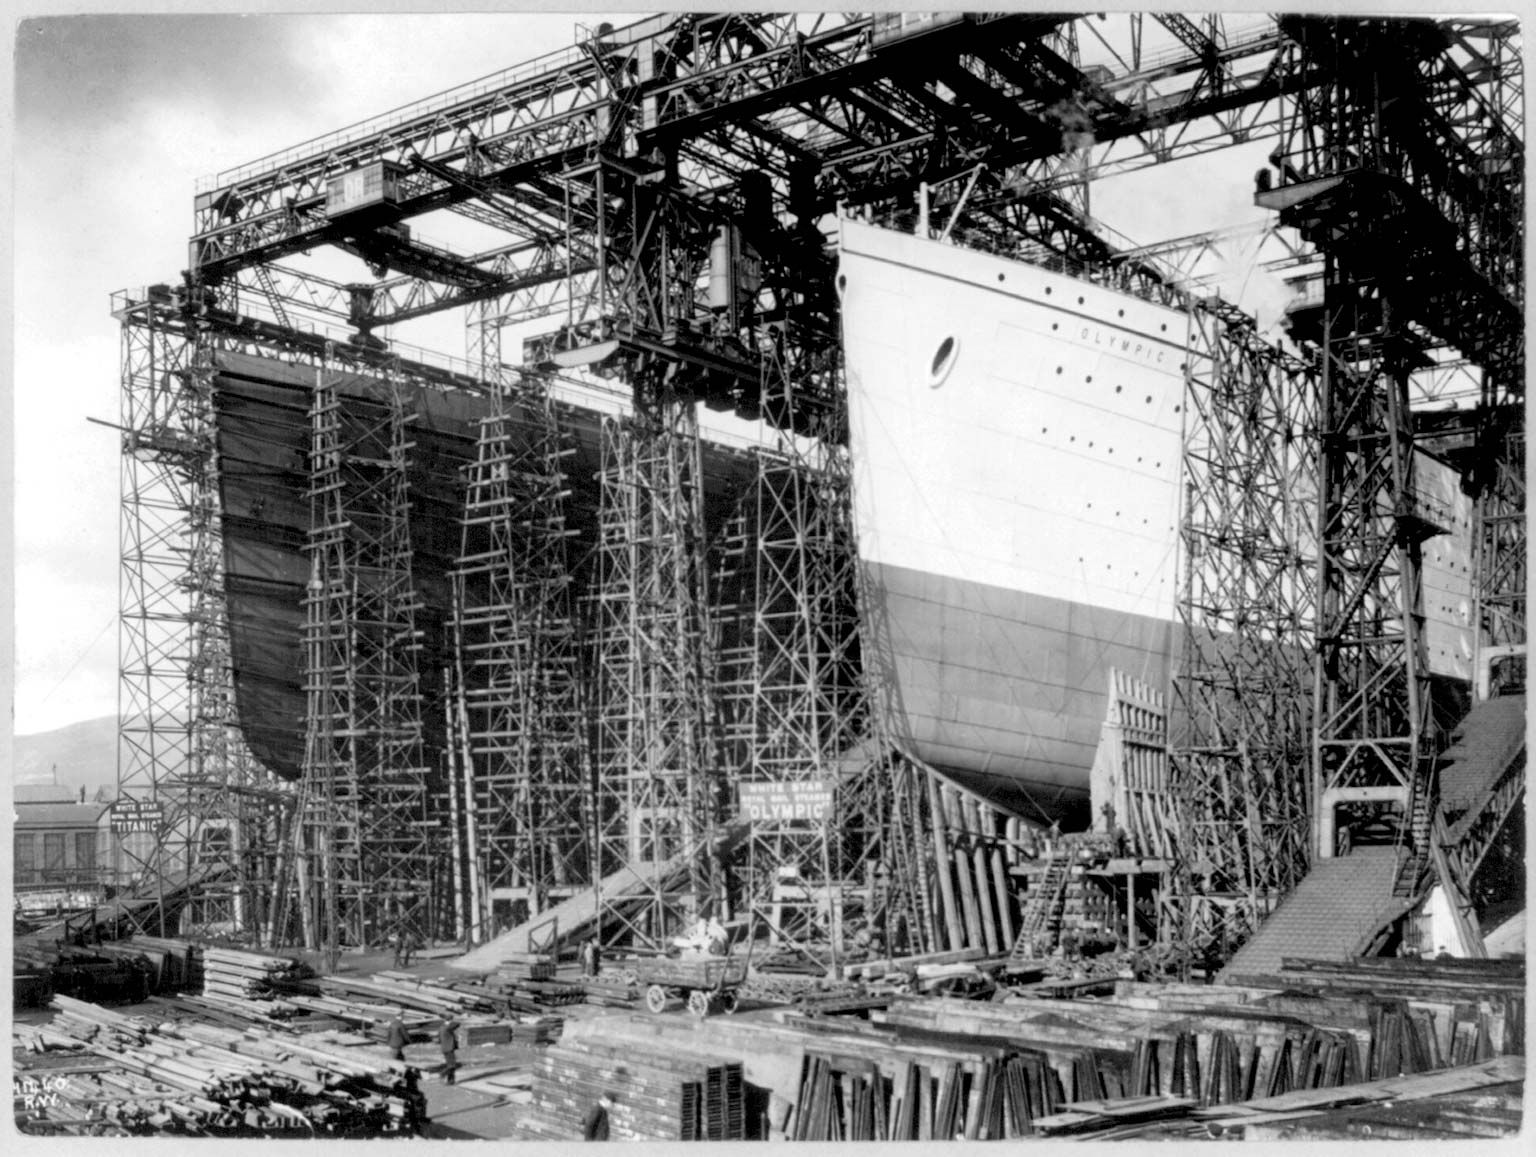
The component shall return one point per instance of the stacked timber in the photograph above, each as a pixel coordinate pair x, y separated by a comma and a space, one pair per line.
529, 977
1215, 1055
422, 1005
519, 966
231, 974
101, 972
122, 971
535, 1030
176, 965
888, 1094
1426, 1014
444, 997
612, 988
1146, 1060
215, 1080
1482, 1100
658, 1094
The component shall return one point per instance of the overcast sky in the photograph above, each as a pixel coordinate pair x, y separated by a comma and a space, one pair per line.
116, 118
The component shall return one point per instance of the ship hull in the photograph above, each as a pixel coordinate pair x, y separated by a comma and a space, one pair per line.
1002, 689
1017, 440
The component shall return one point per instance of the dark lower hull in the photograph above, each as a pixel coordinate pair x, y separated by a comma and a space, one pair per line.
1005, 691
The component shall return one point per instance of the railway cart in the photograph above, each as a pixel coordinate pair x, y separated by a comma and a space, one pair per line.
708, 983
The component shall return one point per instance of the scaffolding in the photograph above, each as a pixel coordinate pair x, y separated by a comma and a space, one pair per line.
211, 810
662, 186
789, 680
660, 784
1240, 753
521, 774
366, 849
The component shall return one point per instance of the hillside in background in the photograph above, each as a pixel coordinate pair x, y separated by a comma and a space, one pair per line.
85, 754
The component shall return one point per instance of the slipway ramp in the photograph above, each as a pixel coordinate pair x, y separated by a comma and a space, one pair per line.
576, 916
1333, 914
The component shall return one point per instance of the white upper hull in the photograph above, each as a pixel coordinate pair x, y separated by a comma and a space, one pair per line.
1043, 456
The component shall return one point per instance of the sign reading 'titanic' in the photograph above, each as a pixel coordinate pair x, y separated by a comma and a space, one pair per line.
132, 815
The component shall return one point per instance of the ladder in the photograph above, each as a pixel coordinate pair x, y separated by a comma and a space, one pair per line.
1041, 919
1411, 870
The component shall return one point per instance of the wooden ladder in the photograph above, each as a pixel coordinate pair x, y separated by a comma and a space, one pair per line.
1041, 919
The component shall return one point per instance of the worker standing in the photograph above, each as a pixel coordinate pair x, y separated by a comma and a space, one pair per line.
394, 1038
448, 1041
594, 1126
718, 939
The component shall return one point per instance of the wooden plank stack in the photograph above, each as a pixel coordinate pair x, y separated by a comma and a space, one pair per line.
611, 989
993, 1097
658, 1094
931, 1068
520, 966
904, 1082
1480, 1100
549, 993
531, 977
214, 1080
177, 964
235, 975
1217, 1055
108, 974
1460, 1011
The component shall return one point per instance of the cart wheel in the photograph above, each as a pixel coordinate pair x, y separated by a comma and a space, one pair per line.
631, 977
698, 1002
730, 999
656, 998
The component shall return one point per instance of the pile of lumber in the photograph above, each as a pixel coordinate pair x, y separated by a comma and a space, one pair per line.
1146, 1058
520, 966
659, 1094
612, 989
1443, 1012
101, 972
1216, 1054
207, 1079
529, 978
980, 1093
536, 1030
791, 988
550, 993
231, 974
423, 1004
1457, 1104
372, 1002
177, 964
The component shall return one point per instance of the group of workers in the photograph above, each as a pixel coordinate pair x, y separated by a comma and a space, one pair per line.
396, 1038
708, 938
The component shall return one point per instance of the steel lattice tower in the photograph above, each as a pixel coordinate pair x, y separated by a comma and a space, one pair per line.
516, 646
368, 855
660, 789
1239, 771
